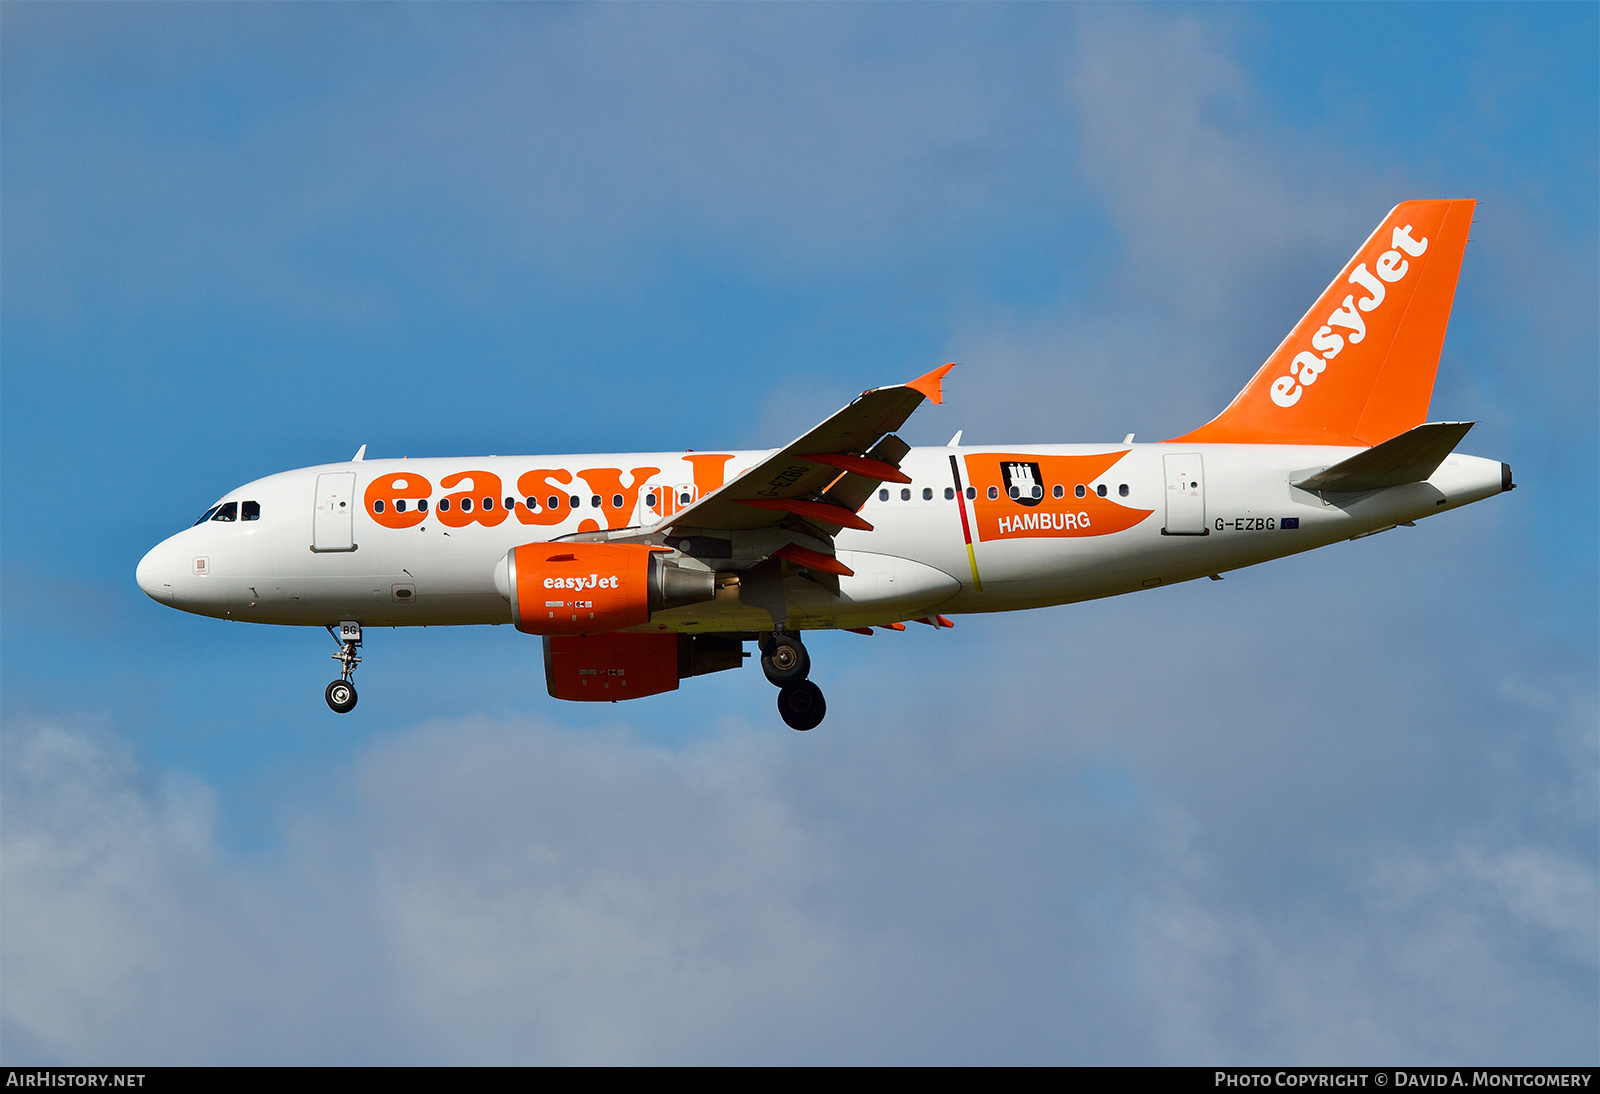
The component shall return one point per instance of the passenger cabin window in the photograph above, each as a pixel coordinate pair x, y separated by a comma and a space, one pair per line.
972, 492
594, 501
927, 493
205, 516
377, 505
883, 495
650, 500
422, 505
1122, 491
488, 503
1078, 491
616, 501
249, 510
685, 499
1100, 490
575, 500
949, 493
444, 505
994, 493
905, 495
229, 511
1058, 491
511, 503
554, 500
399, 505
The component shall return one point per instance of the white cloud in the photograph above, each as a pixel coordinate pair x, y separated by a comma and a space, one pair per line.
970, 868
1226, 229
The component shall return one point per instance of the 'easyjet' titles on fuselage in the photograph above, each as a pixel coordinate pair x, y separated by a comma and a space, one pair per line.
404, 499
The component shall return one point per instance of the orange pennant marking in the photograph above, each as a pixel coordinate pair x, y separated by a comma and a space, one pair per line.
1047, 503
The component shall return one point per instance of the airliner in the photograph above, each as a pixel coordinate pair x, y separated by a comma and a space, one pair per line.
640, 570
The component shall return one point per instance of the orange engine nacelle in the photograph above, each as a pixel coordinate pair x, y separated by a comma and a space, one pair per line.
607, 668
610, 667
592, 588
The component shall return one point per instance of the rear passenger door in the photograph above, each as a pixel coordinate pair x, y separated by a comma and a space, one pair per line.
1186, 495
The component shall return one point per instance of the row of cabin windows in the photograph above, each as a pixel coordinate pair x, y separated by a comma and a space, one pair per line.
927, 494
233, 510
251, 510
1057, 491
554, 501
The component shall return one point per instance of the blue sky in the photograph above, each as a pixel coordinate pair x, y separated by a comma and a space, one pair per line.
1341, 808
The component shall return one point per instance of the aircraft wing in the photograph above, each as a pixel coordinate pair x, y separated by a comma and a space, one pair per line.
823, 476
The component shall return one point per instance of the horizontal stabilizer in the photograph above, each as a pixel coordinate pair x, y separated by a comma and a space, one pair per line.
1413, 456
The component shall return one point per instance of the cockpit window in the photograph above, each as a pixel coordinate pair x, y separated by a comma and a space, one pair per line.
206, 515
229, 511
249, 510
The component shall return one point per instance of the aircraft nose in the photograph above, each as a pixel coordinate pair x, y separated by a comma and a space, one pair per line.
156, 573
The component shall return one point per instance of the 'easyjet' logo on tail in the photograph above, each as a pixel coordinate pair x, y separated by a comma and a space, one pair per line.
1391, 266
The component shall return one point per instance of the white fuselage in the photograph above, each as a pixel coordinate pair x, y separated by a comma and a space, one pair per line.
318, 553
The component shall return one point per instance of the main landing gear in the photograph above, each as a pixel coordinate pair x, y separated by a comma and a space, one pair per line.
341, 694
785, 661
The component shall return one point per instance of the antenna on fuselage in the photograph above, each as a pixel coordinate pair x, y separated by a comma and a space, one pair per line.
361, 454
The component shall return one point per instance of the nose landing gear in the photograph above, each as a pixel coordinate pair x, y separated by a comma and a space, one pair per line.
787, 664
341, 694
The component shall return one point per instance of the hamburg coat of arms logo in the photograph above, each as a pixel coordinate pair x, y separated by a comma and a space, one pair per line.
1024, 483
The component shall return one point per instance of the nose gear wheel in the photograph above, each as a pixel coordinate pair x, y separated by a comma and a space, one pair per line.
341, 696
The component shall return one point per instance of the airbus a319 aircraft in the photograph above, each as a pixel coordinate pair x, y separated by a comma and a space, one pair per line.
640, 570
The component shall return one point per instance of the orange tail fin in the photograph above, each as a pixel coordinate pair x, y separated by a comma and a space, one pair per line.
1359, 368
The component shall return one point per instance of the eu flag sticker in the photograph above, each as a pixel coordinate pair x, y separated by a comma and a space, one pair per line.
1289, 522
